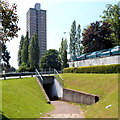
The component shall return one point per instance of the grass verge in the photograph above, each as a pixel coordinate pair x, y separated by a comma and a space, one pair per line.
103, 85
23, 98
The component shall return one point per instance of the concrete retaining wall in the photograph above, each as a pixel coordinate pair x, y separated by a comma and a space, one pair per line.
96, 61
57, 89
48, 79
79, 97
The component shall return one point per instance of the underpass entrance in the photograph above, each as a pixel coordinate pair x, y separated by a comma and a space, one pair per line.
48, 89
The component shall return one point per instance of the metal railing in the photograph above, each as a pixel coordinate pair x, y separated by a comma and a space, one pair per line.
39, 76
5, 75
59, 78
48, 71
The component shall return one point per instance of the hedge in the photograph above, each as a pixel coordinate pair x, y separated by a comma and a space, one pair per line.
114, 68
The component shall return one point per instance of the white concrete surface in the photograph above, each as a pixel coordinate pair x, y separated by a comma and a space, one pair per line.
96, 61
57, 89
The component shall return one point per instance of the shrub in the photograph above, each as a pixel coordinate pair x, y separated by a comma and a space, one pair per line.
23, 68
115, 68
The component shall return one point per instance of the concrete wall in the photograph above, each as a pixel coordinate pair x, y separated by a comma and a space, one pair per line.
79, 97
53, 89
96, 61
57, 89
48, 79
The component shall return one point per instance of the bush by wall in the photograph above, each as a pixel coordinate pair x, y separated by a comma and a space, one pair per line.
115, 68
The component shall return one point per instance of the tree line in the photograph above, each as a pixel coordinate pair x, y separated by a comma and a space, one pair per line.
28, 54
102, 34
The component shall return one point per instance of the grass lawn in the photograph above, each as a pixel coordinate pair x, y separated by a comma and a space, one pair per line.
103, 85
23, 98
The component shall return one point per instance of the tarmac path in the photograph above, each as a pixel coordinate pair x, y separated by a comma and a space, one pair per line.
64, 110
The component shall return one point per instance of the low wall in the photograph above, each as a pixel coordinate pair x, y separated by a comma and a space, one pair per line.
79, 97
96, 61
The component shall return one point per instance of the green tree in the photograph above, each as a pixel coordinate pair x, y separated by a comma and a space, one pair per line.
63, 53
78, 41
23, 67
65, 60
97, 37
72, 45
9, 20
112, 16
24, 52
34, 53
5, 58
50, 60
20, 50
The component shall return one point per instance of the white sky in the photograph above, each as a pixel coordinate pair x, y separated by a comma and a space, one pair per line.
60, 15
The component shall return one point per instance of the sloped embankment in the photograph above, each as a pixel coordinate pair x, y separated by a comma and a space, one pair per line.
103, 85
23, 98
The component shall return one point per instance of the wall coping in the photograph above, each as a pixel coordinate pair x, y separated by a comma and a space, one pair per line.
81, 92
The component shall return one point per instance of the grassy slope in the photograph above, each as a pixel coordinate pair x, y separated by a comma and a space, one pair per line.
104, 85
23, 98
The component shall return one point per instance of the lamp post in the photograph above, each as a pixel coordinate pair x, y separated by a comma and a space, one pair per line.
66, 37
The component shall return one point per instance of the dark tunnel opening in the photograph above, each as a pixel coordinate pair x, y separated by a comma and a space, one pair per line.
49, 92
96, 99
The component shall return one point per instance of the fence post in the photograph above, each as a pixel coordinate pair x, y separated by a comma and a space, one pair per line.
32, 75
20, 75
4, 77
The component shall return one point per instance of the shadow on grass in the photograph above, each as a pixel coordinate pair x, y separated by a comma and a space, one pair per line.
3, 117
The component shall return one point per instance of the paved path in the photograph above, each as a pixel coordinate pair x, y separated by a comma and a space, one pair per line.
64, 110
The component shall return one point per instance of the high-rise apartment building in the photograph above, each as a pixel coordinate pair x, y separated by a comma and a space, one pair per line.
36, 23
